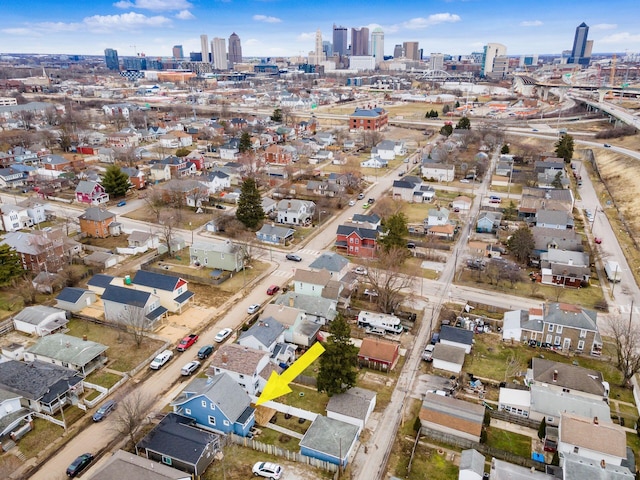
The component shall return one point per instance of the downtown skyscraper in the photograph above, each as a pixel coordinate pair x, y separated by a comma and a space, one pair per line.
340, 41
235, 50
111, 59
359, 42
581, 51
377, 44
219, 53
204, 48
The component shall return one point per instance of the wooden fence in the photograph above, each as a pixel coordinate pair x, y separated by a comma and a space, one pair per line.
6, 326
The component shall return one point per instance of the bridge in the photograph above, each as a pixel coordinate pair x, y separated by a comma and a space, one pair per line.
529, 86
441, 75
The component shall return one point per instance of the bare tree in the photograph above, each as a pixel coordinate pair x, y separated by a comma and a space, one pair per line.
155, 202
626, 340
135, 323
127, 418
169, 223
513, 367
387, 279
126, 156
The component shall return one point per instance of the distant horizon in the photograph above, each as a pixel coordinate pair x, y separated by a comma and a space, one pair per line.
284, 28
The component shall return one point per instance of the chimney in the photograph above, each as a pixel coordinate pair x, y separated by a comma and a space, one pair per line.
555, 375
595, 422
603, 464
225, 358
291, 301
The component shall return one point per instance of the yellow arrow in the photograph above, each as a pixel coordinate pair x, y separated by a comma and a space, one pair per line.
278, 385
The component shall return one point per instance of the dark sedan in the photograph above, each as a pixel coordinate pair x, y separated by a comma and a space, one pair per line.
293, 257
79, 464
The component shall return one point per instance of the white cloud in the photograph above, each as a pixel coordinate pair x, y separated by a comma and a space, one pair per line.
59, 26
20, 31
185, 15
266, 19
155, 5
622, 38
604, 26
420, 23
531, 23
124, 21
305, 37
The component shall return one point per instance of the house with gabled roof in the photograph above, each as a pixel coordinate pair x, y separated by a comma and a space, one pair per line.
176, 441
99, 223
329, 440
569, 327
357, 241
39, 250
79, 354
309, 282
438, 172
565, 268
275, 234
173, 292
457, 337
335, 264
263, 334
378, 354
354, 406
369, 220
452, 416
215, 180
223, 255
126, 305
14, 217
295, 212
449, 358
99, 282
248, 367
91, 193
40, 320
590, 438
137, 177
160, 172
488, 222
73, 299
129, 465
318, 310
216, 403
554, 219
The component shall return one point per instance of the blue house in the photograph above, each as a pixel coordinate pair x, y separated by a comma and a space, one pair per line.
329, 440
217, 403
275, 234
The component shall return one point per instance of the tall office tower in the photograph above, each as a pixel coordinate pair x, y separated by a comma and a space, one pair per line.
436, 61
398, 51
377, 44
340, 43
411, 50
359, 42
492, 51
318, 45
204, 47
579, 53
327, 48
235, 50
178, 53
219, 53
111, 59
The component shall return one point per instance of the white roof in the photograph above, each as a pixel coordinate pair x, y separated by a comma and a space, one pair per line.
511, 396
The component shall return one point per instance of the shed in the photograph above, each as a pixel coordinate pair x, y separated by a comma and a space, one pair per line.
471, 465
75, 299
353, 406
448, 358
457, 337
329, 440
378, 354
40, 320
452, 416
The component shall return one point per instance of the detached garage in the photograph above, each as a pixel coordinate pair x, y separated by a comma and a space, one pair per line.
40, 320
448, 358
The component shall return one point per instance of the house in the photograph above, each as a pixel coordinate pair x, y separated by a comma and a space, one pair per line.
516, 322
177, 442
325, 188
98, 222
219, 256
216, 403
329, 440
457, 337
122, 140
303, 333
40, 320
137, 178
318, 310
295, 212
411, 189
488, 222
215, 181
11, 178
46, 282
247, 367
354, 406
448, 358
554, 219
369, 220
55, 163
501, 470
385, 150
263, 335
373, 119
515, 401
142, 241
39, 250
14, 217
535, 199
546, 239
79, 354
160, 172
335, 264
551, 403
577, 467
12, 415
74, 299
310, 283
42, 387
438, 172
128, 306
268, 205
357, 241
590, 438
471, 465
378, 354
128, 465
175, 139
280, 154
461, 203
180, 167
569, 327
452, 416
99, 282
91, 193
276, 235
436, 217
173, 292
35, 208
565, 268
374, 162
103, 260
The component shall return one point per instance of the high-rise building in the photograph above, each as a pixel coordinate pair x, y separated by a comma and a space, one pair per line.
377, 44
178, 53
493, 61
340, 42
398, 51
111, 59
436, 61
204, 47
219, 53
581, 52
411, 50
235, 50
195, 56
327, 48
359, 42
318, 45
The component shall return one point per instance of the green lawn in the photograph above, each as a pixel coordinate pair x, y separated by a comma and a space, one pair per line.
427, 463
509, 442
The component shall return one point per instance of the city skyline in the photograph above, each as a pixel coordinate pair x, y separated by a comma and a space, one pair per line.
285, 28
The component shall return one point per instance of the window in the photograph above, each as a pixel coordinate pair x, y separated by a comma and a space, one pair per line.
551, 327
566, 390
212, 406
212, 420
559, 329
226, 423
351, 240
204, 403
166, 460
576, 449
357, 241
580, 345
556, 340
549, 338
187, 411
241, 376
583, 333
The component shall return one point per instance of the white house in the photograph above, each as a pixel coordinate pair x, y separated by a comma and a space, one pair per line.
448, 358
215, 181
375, 162
439, 172
515, 401
295, 212
14, 218
385, 150
40, 320
248, 367
592, 439
176, 139
311, 283
462, 203
515, 321
160, 172
437, 216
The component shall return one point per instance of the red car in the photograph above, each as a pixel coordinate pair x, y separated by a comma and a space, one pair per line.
598, 240
272, 289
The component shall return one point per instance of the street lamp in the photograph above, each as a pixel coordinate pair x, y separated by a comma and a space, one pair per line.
320, 213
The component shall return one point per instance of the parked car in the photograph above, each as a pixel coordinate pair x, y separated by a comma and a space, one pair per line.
267, 469
371, 201
272, 289
494, 199
187, 341
411, 245
464, 180
253, 308
352, 203
360, 196
79, 464
598, 240
190, 367
106, 408
435, 338
293, 257
223, 334
606, 145
220, 207
360, 271
161, 359
122, 203
427, 355
205, 351
370, 292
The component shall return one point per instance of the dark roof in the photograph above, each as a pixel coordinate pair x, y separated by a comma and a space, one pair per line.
184, 297
361, 232
156, 313
100, 280
457, 335
177, 438
156, 280
36, 380
403, 184
96, 214
126, 296
71, 294
370, 218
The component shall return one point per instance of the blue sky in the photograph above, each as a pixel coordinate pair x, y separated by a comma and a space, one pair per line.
287, 27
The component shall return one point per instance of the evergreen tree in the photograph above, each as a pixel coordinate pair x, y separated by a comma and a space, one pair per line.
277, 116
446, 130
464, 124
115, 181
182, 152
457, 104
505, 149
521, 244
542, 429
395, 232
245, 142
557, 181
564, 148
510, 211
446, 109
10, 264
338, 363
249, 210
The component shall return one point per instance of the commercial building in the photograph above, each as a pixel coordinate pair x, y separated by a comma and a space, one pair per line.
377, 45
360, 42
178, 52
411, 50
111, 59
581, 51
340, 42
235, 50
494, 61
204, 47
219, 53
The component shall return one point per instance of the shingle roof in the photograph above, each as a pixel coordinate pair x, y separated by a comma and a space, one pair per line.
315, 278
124, 465
329, 436
607, 438
86, 186
571, 316
449, 353
36, 380
71, 294
329, 261
361, 232
266, 331
126, 296
452, 413
66, 348
457, 335
156, 280
377, 349
568, 376
238, 359
100, 280
354, 403
96, 214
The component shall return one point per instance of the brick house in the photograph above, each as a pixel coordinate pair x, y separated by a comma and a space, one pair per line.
122, 140
357, 241
39, 251
95, 222
137, 178
374, 119
91, 193
378, 354
279, 154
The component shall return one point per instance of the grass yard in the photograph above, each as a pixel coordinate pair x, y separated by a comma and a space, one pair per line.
44, 433
310, 399
427, 463
510, 442
103, 378
282, 440
187, 219
10, 303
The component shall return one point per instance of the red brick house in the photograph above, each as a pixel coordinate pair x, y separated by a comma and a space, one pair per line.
378, 354
278, 154
357, 241
96, 222
91, 193
137, 178
368, 119
39, 251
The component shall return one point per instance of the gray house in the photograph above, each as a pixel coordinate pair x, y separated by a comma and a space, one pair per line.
75, 299
128, 305
127, 465
263, 335
78, 354
275, 234
221, 256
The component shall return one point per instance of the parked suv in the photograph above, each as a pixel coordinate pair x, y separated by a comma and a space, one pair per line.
104, 410
205, 351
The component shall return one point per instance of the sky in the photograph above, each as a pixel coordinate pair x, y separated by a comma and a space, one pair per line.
272, 28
